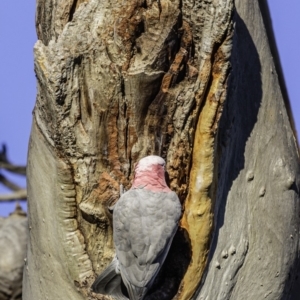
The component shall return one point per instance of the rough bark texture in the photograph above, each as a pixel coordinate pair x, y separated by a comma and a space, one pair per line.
13, 239
118, 80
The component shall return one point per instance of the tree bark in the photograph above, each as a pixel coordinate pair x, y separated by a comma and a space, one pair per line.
193, 82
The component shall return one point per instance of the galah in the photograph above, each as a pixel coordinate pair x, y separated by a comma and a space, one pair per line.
145, 220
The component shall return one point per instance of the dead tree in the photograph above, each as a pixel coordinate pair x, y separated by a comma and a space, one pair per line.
13, 240
13, 233
17, 193
193, 82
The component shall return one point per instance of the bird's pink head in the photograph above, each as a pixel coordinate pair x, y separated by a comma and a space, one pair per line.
150, 174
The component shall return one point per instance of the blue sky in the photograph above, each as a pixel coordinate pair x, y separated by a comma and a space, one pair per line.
18, 84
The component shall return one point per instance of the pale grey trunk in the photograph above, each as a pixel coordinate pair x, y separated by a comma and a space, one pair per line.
255, 248
118, 80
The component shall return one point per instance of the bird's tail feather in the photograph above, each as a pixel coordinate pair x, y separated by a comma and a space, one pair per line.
135, 293
109, 282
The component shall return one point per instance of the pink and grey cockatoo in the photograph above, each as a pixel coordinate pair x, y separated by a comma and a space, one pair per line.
145, 220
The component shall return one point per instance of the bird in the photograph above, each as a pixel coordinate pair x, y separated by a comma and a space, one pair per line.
145, 220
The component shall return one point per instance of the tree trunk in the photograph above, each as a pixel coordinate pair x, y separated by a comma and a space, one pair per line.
193, 82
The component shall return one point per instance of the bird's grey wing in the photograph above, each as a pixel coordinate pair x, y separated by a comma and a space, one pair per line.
144, 225
109, 282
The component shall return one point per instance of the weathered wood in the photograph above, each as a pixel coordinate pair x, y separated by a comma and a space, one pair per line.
13, 239
118, 80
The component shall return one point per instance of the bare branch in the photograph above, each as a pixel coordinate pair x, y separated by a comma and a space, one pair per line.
3, 156
9, 184
13, 168
17, 195
5, 164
